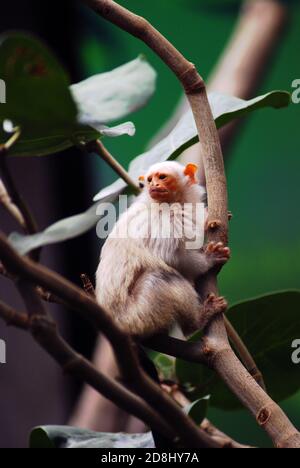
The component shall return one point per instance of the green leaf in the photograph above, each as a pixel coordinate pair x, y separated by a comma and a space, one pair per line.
197, 410
37, 95
268, 325
224, 108
54, 116
63, 230
71, 437
110, 96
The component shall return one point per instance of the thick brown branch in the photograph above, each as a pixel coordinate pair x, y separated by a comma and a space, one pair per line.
45, 332
195, 90
210, 151
247, 57
243, 65
244, 355
267, 413
123, 348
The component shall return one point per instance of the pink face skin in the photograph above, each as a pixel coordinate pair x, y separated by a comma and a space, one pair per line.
163, 187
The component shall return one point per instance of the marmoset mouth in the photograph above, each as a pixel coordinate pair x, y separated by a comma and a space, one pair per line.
158, 190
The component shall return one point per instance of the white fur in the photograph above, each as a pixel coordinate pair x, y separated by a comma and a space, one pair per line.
146, 282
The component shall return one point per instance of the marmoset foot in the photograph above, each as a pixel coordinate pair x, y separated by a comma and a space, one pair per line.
217, 253
213, 305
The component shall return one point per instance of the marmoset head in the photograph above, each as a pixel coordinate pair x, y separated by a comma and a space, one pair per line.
166, 182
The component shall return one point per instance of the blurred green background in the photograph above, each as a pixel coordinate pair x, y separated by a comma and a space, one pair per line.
263, 171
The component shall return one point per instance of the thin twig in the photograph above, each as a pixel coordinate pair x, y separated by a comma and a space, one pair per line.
13, 317
47, 296
11, 208
30, 224
224, 440
98, 148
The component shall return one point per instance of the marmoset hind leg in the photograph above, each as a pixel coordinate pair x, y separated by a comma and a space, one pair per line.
159, 298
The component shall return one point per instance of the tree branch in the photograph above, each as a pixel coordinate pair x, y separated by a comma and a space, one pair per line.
244, 355
215, 343
195, 90
243, 65
98, 148
79, 301
223, 439
44, 331
11, 208
12, 317
30, 224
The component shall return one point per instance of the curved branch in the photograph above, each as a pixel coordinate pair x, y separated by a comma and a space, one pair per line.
215, 341
44, 331
78, 300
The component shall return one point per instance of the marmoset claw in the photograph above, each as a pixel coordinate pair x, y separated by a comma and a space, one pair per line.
217, 253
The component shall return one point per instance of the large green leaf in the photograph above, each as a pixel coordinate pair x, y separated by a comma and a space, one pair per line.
268, 325
37, 95
110, 96
54, 116
71, 437
63, 230
225, 109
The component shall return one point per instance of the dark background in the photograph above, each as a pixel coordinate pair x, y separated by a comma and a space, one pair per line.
263, 177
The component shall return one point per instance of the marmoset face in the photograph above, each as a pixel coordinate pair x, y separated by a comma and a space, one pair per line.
163, 186
168, 182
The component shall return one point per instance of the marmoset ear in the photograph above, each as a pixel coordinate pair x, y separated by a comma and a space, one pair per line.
190, 171
142, 181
